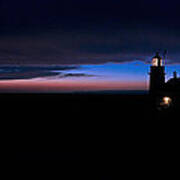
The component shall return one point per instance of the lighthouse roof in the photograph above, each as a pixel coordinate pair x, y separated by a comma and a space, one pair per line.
174, 81
157, 56
173, 84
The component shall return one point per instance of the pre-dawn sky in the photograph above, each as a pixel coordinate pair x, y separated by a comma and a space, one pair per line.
86, 33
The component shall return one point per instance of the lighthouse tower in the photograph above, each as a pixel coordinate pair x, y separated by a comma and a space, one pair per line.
157, 74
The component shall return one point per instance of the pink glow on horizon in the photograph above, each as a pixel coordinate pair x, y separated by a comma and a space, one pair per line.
66, 86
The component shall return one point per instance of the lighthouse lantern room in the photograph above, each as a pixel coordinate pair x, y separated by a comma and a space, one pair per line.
157, 74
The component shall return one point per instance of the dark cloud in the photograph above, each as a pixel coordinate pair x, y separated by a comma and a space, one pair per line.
87, 32
14, 73
25, 75
90, 47
66, 75
77, 75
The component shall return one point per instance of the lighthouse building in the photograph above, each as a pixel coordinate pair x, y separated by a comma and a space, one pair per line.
169, 89
157, 74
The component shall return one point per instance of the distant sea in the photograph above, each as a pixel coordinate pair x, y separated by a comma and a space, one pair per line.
128, 92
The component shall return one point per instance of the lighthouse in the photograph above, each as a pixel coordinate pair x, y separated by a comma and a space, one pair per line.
157, 74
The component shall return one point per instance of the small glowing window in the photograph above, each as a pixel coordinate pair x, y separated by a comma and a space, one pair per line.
166, 101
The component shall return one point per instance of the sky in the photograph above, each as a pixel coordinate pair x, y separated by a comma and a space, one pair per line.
94, 41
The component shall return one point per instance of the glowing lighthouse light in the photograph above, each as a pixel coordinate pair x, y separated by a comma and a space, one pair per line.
155, 62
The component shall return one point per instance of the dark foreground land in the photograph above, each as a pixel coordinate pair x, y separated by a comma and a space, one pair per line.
90, 135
